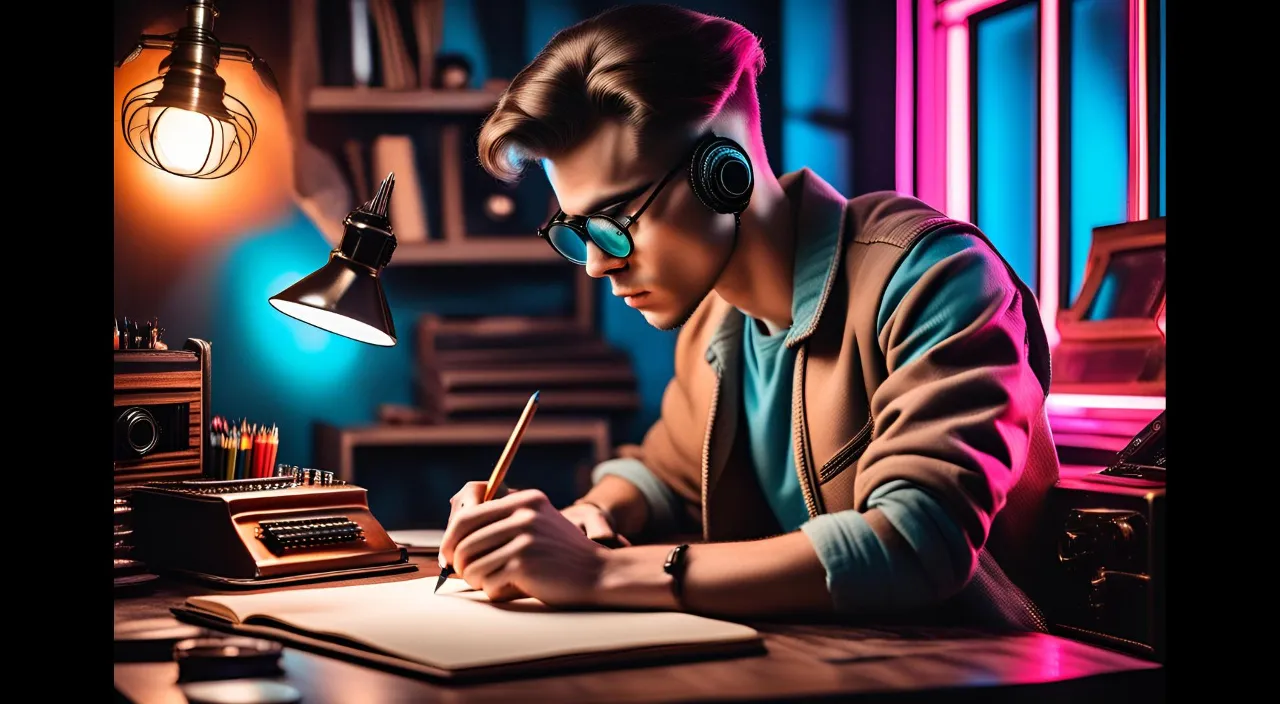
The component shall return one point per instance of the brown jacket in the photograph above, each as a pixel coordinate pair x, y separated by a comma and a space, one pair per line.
966, 421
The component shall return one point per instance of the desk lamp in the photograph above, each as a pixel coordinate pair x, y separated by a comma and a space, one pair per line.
183, 121
345, 295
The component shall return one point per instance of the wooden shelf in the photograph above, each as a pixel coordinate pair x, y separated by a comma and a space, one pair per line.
477, 250
341, 99
335, 445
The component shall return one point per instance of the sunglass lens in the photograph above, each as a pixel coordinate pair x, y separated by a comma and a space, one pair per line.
568, 243
608, 236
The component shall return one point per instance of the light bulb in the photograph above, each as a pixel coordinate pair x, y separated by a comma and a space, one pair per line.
187, 142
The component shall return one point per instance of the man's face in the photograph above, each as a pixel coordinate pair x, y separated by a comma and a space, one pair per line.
680, 246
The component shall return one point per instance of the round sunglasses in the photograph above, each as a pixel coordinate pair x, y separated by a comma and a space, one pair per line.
569, 234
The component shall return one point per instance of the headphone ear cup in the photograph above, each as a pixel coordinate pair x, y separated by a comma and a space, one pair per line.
720, 175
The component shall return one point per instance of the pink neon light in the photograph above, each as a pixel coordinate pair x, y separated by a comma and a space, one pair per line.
958, 122
1050, 206
931, 144
1139, 189
957, 11
905, 119
1134, 403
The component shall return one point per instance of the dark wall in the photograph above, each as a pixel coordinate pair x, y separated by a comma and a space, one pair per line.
872, 62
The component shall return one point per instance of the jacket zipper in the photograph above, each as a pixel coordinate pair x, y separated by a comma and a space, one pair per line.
839, 461
798, 444
706, 456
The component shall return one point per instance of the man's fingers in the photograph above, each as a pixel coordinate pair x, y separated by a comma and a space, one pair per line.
488, 538
483, 572
469, 495
596, 526
467, 519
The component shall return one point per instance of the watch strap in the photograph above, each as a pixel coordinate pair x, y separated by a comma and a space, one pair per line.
675, 566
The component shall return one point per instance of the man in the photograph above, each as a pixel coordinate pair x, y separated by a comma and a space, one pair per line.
856, 423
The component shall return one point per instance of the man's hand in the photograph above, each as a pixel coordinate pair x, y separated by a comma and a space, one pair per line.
593, 522
520, 545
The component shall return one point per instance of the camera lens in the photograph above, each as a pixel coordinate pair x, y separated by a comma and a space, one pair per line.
138, 430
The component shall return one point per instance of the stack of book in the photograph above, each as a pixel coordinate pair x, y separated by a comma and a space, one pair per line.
129, 572
487, 368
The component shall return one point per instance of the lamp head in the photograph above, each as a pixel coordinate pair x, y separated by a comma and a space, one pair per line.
183, 121
345, 295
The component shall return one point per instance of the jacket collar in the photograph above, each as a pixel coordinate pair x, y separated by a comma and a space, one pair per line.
819, 241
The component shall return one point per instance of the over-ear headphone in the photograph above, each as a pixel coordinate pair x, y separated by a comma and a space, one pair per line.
720, 174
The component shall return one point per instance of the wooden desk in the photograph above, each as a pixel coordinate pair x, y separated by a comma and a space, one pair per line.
803, 662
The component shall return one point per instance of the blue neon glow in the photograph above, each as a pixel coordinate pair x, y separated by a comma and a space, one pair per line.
815, 80
462, 35
1007, 126
1099, 126
543, 18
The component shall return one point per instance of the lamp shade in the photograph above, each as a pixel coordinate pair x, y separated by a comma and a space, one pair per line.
345, 296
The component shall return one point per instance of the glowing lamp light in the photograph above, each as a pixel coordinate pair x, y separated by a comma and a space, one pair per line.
183, 121
345, 296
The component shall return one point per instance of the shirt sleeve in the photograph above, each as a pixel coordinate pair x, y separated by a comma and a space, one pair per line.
948, 288
866, 576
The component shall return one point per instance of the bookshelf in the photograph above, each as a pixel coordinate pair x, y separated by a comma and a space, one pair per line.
494, 360
335, 446
342, 100
476, 250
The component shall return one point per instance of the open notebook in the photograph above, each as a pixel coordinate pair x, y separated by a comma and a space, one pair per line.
459, 634
418, 542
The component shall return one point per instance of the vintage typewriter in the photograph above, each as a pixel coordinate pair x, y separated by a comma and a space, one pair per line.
298, 526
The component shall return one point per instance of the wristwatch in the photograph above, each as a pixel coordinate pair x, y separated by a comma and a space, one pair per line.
675, 566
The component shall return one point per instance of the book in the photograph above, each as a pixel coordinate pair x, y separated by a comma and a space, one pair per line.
354, 151
428, 27
394, 153
366, 69
333, 20
399, 71
458, 633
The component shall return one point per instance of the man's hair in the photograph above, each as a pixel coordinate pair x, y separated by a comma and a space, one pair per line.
650, 66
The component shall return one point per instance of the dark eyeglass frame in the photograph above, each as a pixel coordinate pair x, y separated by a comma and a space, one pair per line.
578, 223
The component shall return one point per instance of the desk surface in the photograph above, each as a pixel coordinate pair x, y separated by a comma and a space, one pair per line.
803, 661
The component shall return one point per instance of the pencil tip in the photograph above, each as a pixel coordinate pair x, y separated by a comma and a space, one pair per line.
535, 396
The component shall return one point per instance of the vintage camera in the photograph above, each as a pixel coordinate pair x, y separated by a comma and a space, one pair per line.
154, 428
1110, 582
160, 400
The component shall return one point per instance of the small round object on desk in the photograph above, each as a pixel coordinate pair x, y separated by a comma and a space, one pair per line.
246, 691
227, 657
151, 639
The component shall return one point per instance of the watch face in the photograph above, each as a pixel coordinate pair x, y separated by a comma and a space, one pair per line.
673, 558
